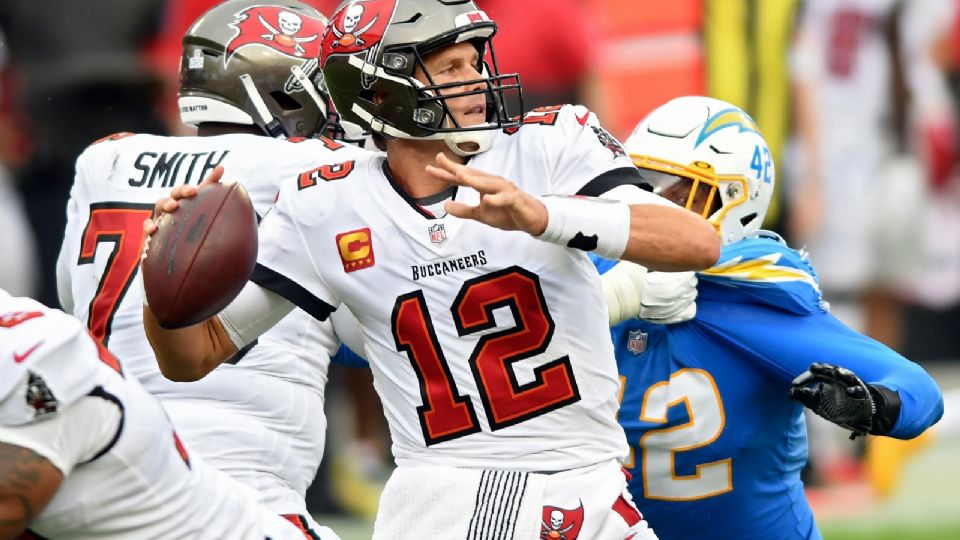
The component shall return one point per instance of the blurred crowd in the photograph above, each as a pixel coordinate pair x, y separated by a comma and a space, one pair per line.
858, 99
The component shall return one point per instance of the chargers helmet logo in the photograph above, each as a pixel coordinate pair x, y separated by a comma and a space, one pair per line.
284, 31
725, 118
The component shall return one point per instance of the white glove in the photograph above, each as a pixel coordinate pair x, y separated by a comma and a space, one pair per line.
660, 297
669, 297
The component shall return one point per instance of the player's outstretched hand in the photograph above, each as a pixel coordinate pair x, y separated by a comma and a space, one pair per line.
502, 204
838, 395
169, 204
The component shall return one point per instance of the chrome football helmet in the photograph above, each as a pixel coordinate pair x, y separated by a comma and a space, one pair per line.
374, 47
255, 62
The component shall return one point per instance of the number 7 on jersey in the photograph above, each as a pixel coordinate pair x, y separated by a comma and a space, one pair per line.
122, 225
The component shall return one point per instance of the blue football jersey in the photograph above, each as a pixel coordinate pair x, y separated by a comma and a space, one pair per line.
716, 445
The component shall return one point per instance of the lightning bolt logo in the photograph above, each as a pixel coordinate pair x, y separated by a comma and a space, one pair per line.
731, 117
763, 268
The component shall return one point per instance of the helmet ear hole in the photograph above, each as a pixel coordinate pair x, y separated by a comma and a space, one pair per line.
745, 220
285, 101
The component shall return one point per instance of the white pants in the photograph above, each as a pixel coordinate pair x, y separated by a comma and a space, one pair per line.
448, 503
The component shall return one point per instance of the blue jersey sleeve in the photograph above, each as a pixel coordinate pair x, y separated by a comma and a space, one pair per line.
789, 343
346, 357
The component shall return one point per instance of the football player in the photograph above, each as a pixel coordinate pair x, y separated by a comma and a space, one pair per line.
482, 317
712, 407
87, 453
253, 98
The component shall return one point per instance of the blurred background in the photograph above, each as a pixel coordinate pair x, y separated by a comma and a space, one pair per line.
858, 100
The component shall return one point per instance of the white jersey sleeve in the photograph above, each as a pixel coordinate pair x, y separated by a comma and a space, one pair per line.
284, 259
78, 198
41, 351
584, 158
72, 436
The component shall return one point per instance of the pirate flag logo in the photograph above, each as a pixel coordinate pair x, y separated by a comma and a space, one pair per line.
561, 524
357, 26
284, 31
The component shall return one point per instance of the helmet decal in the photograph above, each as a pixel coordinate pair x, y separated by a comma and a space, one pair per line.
284, 31
725, 118
358, 26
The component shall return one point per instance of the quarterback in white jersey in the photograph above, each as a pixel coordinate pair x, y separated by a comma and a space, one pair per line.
259, 417
487, 336
86, 453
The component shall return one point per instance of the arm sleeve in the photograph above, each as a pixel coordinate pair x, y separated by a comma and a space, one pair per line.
254, 311
285, 263
791, 343
71, 437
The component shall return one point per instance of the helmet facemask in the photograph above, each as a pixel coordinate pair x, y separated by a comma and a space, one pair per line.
695, 187
432, 109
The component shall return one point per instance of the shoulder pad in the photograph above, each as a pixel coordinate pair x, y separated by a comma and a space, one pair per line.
47, 360
765, 270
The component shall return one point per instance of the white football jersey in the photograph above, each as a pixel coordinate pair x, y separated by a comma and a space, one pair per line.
262, 419
845, 58
137, 480
489, 348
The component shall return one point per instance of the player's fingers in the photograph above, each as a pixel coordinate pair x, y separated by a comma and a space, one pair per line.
501, 199
149, 227
461, 210
164, 206
848, 377
821, 368
466, 176
810, 397
804, 379
215, 175
442, 174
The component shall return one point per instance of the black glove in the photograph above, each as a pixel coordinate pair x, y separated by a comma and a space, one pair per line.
837, 394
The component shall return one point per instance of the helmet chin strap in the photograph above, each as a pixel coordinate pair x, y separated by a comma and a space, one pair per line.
468, 143
268, 122
309, 88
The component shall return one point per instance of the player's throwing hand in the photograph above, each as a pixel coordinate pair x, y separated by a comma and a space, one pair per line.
169, 204
502, 204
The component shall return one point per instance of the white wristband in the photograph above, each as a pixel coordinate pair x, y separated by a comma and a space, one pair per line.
590, 224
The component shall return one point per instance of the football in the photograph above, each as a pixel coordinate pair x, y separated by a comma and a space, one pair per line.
201, 256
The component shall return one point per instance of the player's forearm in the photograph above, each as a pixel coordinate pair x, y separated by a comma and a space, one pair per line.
920, 402
188, 354
27, 483
670, 239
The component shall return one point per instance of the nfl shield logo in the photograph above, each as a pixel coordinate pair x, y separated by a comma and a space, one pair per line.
637, 341
438, 234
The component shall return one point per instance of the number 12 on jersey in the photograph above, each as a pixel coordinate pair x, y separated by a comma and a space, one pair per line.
695, 390
445, 413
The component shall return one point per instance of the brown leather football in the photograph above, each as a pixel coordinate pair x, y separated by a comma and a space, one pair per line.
201, 255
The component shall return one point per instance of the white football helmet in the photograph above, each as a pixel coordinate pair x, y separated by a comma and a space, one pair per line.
708, 141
